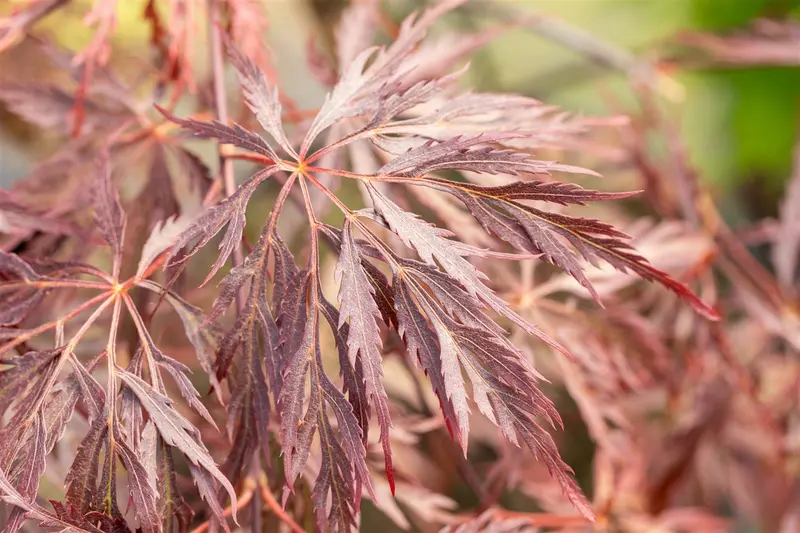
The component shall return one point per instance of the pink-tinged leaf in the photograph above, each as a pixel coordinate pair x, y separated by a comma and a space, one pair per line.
107, 210
356, 302
551, 191
58, 411
352, 375
230, 212
381, 289
10, 495
235, 135
358, 91
393, 62
345, 100
466, 154
436, 250
176, 430
262, 99
540, 232
470, 114
92, 394
298, 341
503, 383
142, 489
82, 478
357, 306
51, 108
208, 487
254, 339
163, 237
17, 301
25, 372
423, 348
203, 338
30, 469
356, 30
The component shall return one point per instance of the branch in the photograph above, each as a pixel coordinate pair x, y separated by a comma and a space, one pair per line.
221, 109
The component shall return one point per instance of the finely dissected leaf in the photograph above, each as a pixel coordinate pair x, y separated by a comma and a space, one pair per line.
142, 488
170, 501
503, 384
203, 338
261, 99
208, 487
335, 476
230, 211
91, 392
235, 135
81, 480
343, 470
422, 345
362, 91
58, 411
356, 303
161, 239
175, 429
17, 301
30, 467
532, 230
433, 248
108, 212
358, 307
26, 370
465, 115
9, 494
467, 154
352, 374
297, 344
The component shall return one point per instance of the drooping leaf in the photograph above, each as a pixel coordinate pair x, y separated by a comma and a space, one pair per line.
82, 478
142, 489
30, 468
176, 430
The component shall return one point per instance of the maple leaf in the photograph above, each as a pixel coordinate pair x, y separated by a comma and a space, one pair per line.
439, 305
395, 115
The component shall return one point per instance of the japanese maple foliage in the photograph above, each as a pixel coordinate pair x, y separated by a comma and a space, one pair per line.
394, 122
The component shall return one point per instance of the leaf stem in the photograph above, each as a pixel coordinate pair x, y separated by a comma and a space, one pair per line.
50, 284
27, 335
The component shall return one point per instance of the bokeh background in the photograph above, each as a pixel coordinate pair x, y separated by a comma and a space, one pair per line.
740, 124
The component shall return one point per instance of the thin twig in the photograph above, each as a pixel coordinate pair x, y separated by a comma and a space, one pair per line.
221, 109
241, 502
272, 503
